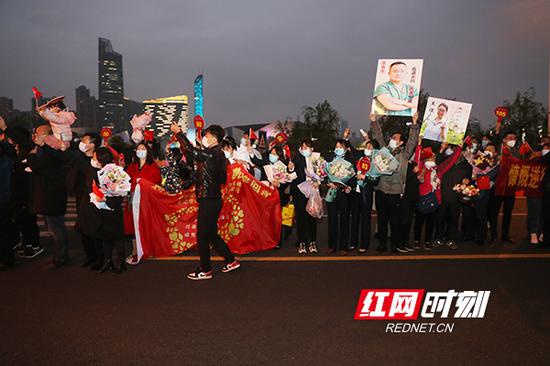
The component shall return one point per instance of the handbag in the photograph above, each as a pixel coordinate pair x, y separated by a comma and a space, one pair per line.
288, 214
428, 203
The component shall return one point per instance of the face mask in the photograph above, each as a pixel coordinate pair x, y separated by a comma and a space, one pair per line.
142, 154
489, 154
474, 146
430, 164
449, 152
339, 151
175, 145
95, 164
544, 151
392, 144
511, 143
484, 143
82, 146
306, 153
205, 141
228, 154
244, 141
273, 158
368, 152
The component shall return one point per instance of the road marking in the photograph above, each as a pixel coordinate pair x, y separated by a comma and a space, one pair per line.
368, 258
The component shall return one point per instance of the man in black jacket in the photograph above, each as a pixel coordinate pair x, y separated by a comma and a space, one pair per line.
210, 174
49, 191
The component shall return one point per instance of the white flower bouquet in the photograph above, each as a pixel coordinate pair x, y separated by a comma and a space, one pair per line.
113, 182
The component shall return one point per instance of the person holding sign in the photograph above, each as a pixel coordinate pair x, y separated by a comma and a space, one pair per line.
395, 97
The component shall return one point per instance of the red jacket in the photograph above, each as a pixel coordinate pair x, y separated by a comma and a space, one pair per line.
425, 186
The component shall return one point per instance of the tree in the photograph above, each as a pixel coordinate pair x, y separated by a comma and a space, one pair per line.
525, 116
321, 124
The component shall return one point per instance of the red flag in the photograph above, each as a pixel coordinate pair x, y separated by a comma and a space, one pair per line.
483, 182
148, 135
525, 148
95, 190
36, 92
252, 135
287, 151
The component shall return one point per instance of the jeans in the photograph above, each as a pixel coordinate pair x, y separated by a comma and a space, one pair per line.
534, 212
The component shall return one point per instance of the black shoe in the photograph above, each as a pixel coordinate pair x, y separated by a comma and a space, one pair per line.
277, 247
107, 266
509, 240
119, 269
381, 248
96, 266
493, 240
408, 248
401, 250
56, 263
30, 252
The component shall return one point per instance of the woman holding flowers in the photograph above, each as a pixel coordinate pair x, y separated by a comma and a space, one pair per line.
341, 178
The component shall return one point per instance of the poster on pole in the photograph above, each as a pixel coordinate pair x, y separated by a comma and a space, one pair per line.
397, 87
445, 120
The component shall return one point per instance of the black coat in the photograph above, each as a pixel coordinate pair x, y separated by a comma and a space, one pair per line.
299, 168
79, 176
48, 182
462, 169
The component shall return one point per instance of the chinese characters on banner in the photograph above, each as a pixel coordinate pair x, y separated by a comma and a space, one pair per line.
516, 174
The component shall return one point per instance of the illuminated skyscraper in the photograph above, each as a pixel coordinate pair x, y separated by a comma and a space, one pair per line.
111, 86
166, 110
197, 88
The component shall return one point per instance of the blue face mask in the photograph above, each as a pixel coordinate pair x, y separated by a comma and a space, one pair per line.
305, 153
339, 152
273, 158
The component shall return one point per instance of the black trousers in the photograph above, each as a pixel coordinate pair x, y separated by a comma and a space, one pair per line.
93, 248
114, 250
366, 216
495, 202
355, 210
408, 209
427, 222
388, 207
7, 234
207, 232
480, 208
468, 221
306, 225
338, 222
27, 226
546, 217
447, 220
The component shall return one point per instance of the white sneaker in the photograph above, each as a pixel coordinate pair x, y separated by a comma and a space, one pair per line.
231, 267
199, 275
312, 247
302, 248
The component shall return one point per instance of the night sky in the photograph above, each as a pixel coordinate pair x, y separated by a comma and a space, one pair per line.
265, 60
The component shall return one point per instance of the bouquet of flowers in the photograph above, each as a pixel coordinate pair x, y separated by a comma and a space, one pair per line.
279, 172
384, 163
318, 168
466, 191
338, 171
481, 163
113, 182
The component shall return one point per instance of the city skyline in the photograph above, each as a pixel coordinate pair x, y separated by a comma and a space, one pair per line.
270, 66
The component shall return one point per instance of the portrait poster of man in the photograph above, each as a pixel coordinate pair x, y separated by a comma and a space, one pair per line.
397, 87
445, 120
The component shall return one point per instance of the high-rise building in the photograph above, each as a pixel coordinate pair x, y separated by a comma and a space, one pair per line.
198, 97
86, 109
166, 110
6, 107
111, 87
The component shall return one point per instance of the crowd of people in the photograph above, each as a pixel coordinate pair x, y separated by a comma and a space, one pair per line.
416, 187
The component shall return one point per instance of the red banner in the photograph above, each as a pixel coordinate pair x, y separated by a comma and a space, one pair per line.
250, 219
516, 174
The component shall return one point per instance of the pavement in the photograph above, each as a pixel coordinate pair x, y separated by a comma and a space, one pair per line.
278, 309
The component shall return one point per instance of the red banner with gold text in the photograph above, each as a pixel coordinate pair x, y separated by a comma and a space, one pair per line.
516, 174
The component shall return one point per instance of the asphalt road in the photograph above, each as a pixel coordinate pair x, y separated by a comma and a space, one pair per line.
276, 310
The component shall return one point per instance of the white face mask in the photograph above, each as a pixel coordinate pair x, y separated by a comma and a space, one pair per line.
488, 153
205, 141
244, 141
368, 152
448, 151
511, 143
544, 151
228, 154
95, 164
392, 144
142, 154
430, 164
82, 146
474, 146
